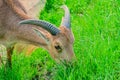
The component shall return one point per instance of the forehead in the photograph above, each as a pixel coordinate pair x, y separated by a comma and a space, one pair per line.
67, 33
64, 38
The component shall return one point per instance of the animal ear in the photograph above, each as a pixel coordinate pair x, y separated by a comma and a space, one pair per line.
40, 34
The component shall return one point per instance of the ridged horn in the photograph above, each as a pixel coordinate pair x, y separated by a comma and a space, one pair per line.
66, 19
44, 24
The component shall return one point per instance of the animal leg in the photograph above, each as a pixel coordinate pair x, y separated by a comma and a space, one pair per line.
3, 55
9, 56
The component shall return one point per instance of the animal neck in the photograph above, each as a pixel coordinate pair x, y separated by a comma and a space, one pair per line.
17, 8
20, 33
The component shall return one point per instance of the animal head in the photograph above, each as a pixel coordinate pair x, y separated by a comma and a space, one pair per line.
60, 40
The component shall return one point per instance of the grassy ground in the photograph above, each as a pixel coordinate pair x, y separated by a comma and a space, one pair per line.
96, 27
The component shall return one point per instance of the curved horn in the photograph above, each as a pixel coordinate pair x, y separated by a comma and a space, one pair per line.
66, 19
46, 25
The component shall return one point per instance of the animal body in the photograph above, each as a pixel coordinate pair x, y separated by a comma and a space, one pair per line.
17, 27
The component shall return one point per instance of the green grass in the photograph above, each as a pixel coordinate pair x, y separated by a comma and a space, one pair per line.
96, 27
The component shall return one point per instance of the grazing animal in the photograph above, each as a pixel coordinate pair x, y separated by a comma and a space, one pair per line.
17, 27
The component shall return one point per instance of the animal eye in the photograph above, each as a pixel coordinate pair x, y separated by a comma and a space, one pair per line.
58, 48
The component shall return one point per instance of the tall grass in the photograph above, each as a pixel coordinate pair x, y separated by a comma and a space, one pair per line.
96, 27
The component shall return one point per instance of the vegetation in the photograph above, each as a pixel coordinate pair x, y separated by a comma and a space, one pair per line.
96, 27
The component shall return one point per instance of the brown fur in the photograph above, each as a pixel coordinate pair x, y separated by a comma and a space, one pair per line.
17, 8
24, 48
12, 12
